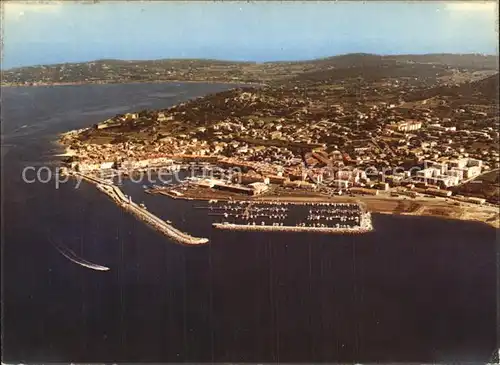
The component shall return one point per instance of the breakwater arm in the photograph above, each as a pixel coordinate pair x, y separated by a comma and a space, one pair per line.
117, 195
267, 228
365, 226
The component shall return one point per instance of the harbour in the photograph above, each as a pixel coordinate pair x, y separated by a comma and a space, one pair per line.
239, 213
308, 297
332, 218
244, 215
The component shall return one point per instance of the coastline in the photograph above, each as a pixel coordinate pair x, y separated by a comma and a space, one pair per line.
436, 207
117, 196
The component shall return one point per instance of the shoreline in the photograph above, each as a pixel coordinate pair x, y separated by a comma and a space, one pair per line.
372, 205
116, 195
436, 207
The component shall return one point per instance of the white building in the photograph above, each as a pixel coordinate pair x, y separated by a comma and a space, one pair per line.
340, 184
450, 173
258, 187
435, 176
470, 167
106, 165
408, 126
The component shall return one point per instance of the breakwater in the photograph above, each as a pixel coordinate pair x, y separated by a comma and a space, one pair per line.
117, 195
365, 227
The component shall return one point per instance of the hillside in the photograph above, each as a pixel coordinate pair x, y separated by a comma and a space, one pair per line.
353, 110
483, 91
301, 107
487, 87
471, 61
367, 66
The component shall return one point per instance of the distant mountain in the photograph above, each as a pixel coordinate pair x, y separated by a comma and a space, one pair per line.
331, 69
470, 61
370, 72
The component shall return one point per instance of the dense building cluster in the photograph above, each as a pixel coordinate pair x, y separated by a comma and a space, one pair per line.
331, 135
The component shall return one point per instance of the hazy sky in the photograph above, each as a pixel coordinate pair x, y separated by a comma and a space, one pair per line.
260, 31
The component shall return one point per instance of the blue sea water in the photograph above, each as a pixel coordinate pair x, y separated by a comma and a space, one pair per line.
416, 289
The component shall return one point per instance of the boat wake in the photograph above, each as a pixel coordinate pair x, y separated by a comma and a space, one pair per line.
70, 255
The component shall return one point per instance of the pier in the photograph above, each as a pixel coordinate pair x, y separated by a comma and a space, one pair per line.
364, 228
115, 193
91, 179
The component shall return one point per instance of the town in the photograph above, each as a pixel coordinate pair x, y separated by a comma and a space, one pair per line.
392, 136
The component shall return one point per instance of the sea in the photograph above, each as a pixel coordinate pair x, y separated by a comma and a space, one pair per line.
416, 289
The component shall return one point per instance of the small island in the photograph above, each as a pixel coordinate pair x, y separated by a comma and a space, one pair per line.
414, 135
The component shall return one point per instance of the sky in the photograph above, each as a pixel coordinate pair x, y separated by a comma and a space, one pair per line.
62, 31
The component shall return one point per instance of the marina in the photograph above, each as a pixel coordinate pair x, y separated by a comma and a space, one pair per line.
252, 215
